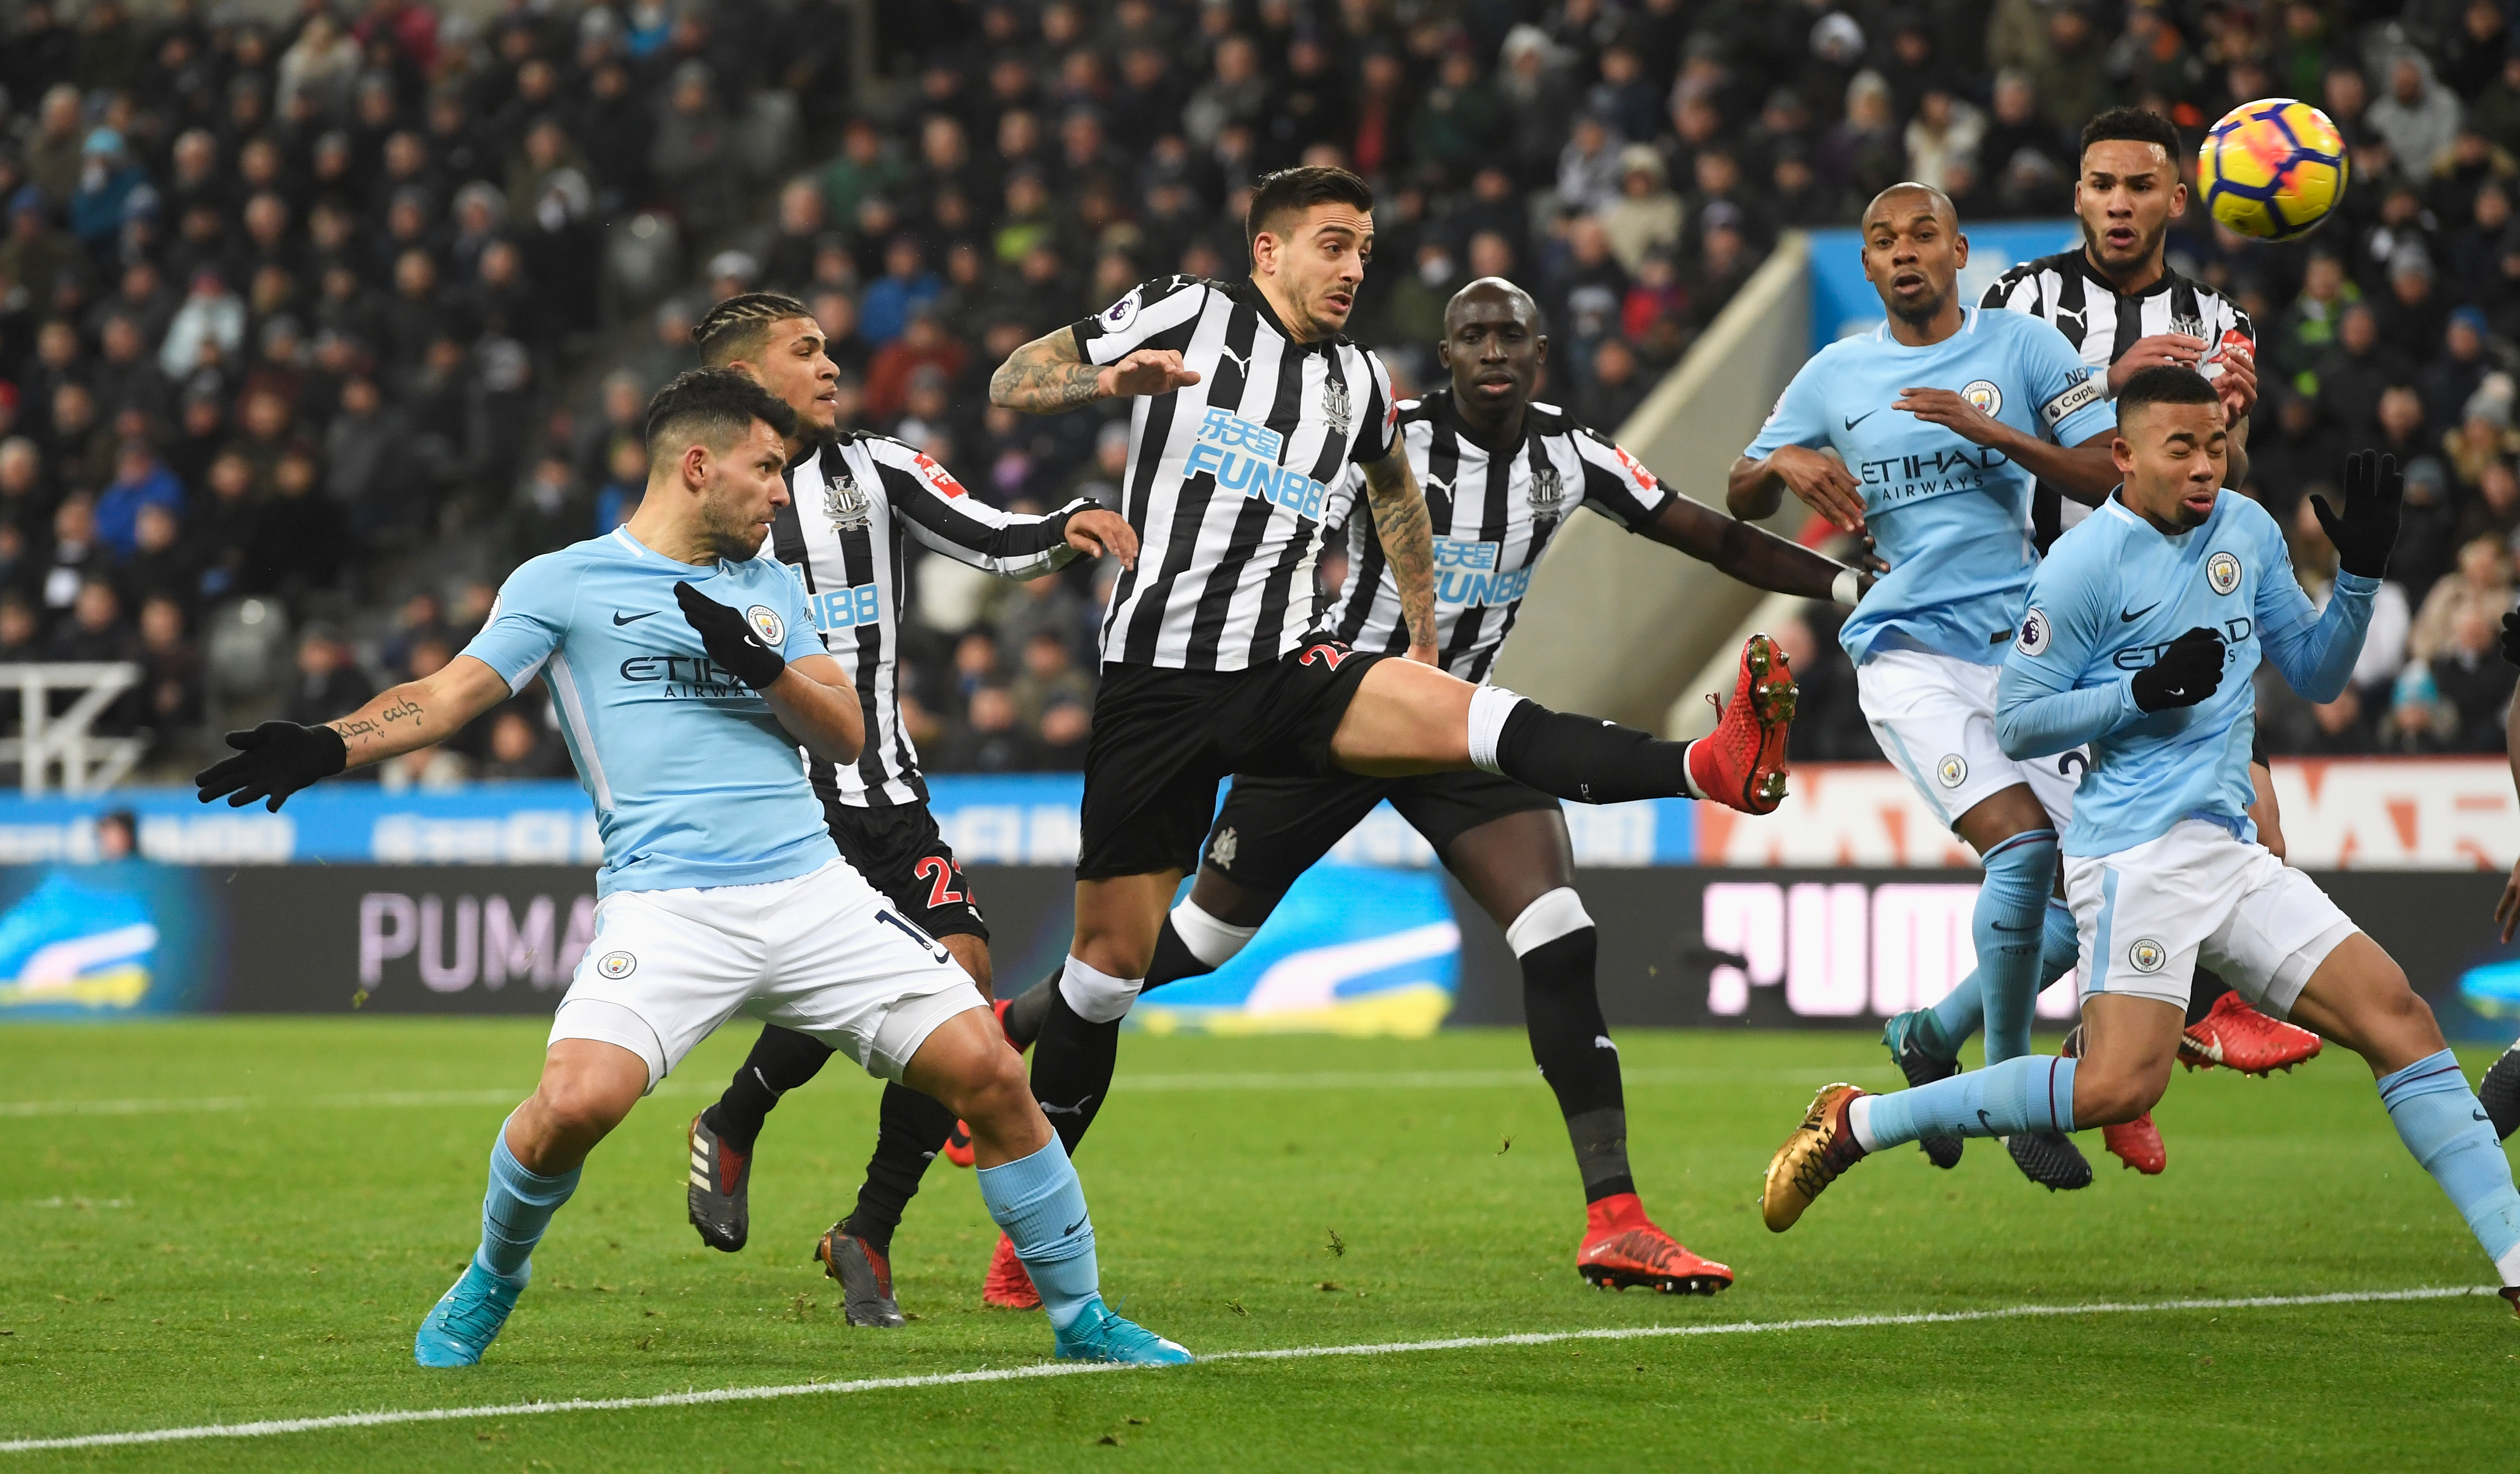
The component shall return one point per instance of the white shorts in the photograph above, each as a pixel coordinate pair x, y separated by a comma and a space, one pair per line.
2146, 916
1934, 717
825, 955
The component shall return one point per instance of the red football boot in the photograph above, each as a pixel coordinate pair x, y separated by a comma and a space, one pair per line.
1622, 1247
1007, 1286
2138, 1143
2238, 1036
1741, 763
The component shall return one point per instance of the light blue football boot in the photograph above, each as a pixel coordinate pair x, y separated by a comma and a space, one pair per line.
467, 1317
1101, 1335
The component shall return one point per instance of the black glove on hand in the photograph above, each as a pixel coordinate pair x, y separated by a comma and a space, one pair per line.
729, 639
2188, 671
273, 761
2369, 529
2511, 637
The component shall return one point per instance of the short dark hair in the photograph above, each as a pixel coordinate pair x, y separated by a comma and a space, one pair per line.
2136, 125
713, 407
1292, 192
737, 326
2164, 384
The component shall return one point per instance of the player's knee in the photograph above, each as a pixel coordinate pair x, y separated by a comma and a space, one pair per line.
578, 1108
995, 1090
2105, 1098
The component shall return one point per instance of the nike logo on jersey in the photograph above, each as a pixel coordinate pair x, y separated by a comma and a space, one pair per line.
1987, 1121
2129, 616
2482, 1116
619, 618
1860, 419
1073, 1227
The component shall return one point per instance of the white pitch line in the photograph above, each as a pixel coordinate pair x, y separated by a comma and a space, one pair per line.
274, 1426
1398, 1080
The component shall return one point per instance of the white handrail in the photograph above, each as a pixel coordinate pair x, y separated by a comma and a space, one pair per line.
88, 763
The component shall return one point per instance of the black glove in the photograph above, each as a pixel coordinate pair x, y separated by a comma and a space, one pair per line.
2186, 672
2511, 637
273, 761
729, 639
2369, 529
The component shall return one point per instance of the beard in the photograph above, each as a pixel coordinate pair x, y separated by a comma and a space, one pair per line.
2146, 245
1922, 311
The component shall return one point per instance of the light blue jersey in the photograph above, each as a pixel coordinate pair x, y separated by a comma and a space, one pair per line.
695, 782
1952, 519
2113, 593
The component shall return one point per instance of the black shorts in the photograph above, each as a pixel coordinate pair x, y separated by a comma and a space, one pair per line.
1273, 829
901, 853
1164, 738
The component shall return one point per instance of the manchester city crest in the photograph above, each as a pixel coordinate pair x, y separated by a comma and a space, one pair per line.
845, 502
1547, 491
2223, 572
1335, 407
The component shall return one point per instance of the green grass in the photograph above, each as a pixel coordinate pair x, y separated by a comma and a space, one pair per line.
174, 1266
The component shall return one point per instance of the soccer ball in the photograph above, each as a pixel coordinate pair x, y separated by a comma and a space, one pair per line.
2273, 169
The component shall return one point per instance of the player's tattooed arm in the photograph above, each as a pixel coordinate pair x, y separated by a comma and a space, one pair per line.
1408, 538
1752, 554
1050, 375
421, 713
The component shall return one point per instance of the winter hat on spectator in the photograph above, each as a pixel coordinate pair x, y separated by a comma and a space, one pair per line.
2473, 319
1837, 40
2492, 401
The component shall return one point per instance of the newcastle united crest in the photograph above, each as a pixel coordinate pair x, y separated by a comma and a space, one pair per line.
845, 502
1547, 491
1335, 404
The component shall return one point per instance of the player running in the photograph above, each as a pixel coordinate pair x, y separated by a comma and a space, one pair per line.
1502, 474
854, 503
2116, 298
1248, 403
2500, 1089
721, 891
2143, 629
1941, 418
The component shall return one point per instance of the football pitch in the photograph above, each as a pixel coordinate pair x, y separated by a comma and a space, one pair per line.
230, 1222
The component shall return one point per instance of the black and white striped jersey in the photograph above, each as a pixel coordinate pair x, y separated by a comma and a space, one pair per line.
1493, 515
1228, 478
851, 503
2101, 324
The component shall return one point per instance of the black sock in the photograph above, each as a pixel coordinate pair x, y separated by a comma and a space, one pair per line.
780, 1060
1587, 759
1173, 959
1072, 1064
910, 1130
1571, 1043
2202, 994
1025, 1013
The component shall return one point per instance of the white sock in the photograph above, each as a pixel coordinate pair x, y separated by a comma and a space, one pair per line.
1208, 939
1097, 997
1490, 705
1858, 1119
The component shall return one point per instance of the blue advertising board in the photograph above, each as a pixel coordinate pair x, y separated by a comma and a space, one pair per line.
1844, 304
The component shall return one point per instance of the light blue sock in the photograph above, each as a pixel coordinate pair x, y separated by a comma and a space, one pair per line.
1041, 1205
517, 1210
2445, 1130
2010, 928
2033, 1093
1962, 1011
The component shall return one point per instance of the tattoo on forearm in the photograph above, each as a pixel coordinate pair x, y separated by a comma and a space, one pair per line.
404, 710
1401, 522
353, 727
1038, 381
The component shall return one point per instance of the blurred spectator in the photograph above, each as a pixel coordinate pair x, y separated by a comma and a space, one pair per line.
520, 747
140, 480
2474, 679
990, 738
173, 687
2418, 115
1050, 675
329, 682
1646, 216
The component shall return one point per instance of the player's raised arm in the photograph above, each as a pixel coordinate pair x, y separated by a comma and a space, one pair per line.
942, 516
1113, 354
1754, 555
278, 758
2316, 652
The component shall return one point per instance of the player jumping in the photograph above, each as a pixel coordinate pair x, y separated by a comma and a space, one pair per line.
721, 891
1247, 405
2143, 629
1941, 420
1502, 474
854, 503
2116, 300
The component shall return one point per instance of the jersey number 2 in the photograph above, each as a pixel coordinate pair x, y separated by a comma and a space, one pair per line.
934, 871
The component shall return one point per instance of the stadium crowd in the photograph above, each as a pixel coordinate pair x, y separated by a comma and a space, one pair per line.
319, 325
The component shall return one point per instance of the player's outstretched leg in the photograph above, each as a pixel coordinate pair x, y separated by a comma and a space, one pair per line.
2135, 1143
2358, 997
1030, 1187
2499, 1093
722, 1137
1925, 1043
1844, 1125
587, 1088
